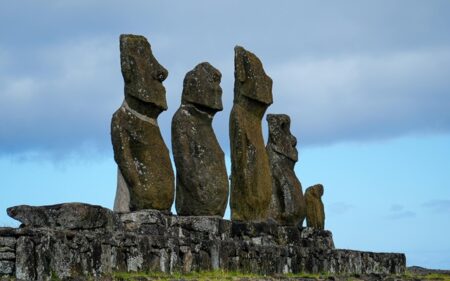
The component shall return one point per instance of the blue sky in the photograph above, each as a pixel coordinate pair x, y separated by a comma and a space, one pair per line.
365, 83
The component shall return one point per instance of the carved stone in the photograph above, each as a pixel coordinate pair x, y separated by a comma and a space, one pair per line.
251, 180
315, 212
145, 171
149, 241
202, 181
287, 206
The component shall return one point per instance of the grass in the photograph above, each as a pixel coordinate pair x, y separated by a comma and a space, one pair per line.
204, 275
430, 276
227, 275
231, 275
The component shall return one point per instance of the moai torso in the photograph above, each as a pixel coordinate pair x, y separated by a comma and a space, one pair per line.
251, 182
202, 181
315, 211
287, 206
145, 175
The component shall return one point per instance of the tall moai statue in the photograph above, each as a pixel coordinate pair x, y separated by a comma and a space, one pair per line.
315, 211
287, 206
251, 180
145, 174
202, 180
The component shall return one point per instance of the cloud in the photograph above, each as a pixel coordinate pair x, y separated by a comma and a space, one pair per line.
397, 212
364, 97
357, 75
438, 206
352, 98
65, 107
339, 208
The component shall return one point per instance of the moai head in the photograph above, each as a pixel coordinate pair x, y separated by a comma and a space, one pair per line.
201, 87
317, 190
250, 79
142, 73
280, 138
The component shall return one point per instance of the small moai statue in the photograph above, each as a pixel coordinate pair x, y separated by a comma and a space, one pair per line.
202, 180
287, 206
251, 180
145, 174
315, 212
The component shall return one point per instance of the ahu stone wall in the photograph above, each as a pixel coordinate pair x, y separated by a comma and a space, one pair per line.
75, 239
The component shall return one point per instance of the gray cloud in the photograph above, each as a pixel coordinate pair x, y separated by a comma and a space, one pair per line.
438, 206
398, 211
339, 208
65, 108
345, 71
366, 97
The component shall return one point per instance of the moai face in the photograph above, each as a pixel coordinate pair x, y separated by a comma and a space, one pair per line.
142, 73
280, 136
318, 190
201, 87
250, 78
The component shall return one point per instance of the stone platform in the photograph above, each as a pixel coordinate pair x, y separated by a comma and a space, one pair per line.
75, 239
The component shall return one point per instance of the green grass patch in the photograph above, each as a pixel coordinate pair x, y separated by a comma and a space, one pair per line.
203, 275
431, 276
209, 275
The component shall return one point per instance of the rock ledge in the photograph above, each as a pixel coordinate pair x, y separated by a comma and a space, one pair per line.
73, 240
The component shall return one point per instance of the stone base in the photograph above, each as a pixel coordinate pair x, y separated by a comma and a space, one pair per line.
150, 240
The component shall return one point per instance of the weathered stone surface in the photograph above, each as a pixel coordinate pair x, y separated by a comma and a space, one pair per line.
202, 180
67, 216
251, 180
287, 206
357, 262
150, 240
139, 150
25, 259
7, 242
6, 267
7, 255
142, 73
315, 212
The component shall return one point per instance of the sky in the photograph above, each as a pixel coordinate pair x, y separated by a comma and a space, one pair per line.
366, 84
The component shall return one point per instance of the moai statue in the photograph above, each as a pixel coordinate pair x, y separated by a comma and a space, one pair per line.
287, 206
251, 180
315, 212
145, 174
202, 180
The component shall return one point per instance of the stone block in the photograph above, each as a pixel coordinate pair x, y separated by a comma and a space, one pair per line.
25, 262
7, 242
6, 267
145, 220
7, 256
65, 216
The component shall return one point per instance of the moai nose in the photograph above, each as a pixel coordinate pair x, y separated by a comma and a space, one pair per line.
294, 141
161, 73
